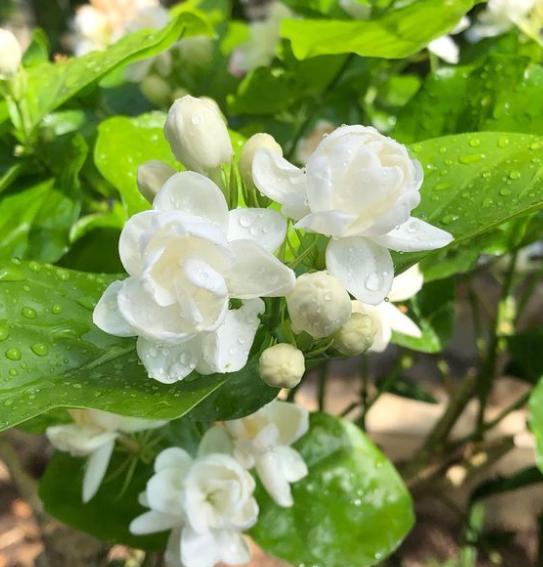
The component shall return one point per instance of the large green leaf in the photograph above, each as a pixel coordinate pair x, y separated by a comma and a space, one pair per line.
395, 34
500, 93
51, 85
476, 182
351, 510
536, 421
51, 355
524, 349
123, 144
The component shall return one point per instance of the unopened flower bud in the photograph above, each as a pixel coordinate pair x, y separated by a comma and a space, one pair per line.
10, 53
356, 335
156, 90
318, 304
252, 145
282, 366
198, 135
151, 177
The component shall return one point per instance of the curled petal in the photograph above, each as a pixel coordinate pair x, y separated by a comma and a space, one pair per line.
227, 349
193, 194
406, 285
173, 457
164, 491
265, 226
281, 181
215, 440
291, 420
95, 470
168, 363
413, 236
400, 322
268, 467
153, 522
331, 223
364, 268
106, 314
257, 273
79, 440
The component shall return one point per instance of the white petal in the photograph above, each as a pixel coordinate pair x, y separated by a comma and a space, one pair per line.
364, 268
265, 226
281, 181
413, 236
291, 420
445, 48
233, 548
174, 457
168, 363
106, 314
135, 424
79, 440
164, 491
95, 470
399, 322
268, 467
153, 522
199, 549
292, 464
406, 285
257, 273
215, 440
227, 349
172, 554
193, 194
331, 223
130, 241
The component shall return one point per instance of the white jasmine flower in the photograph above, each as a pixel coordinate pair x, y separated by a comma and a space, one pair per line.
359, 187
207, 502
251, 146
500, 16
319, 304
10, 53
356, 335
387, 317
152, 175
259, 50
186, 258
197, 134
282, 366
93, 435
262, 440
445, 47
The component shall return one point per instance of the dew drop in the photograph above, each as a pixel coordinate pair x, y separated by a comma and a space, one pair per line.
28, 312
40, 349
373, 282
13, 354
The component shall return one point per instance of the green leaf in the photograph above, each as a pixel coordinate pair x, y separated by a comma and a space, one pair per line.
123, 144
499, 485
51, 356
405, 388
536, 421
38, 50
499, 94
51, 85
351, 510
524, 364
396, 34
476, 182
433, 310
108, 515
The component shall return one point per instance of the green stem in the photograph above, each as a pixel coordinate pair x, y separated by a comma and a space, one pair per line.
364, 391
321, 386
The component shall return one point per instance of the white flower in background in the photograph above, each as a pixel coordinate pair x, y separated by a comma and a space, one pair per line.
445, 47
319, 304
152, 175
186, 258
264, 36
282, 366
357, 9
198, 135
93, 435
251, 146
207, 502
10, 53
308, 144
387, 317
500, 16
262, 440
359, 187
102, 22
356, 336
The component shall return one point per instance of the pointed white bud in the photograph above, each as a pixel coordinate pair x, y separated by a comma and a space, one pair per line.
151, 177
319, 304
198, 135
282, 366
10, 53
356, 336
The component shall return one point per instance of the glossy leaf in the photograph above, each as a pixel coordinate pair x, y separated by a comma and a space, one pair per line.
352, 509
124, 144
395, 34
476, 182
51, 85
536, 422
51, 356
522, 348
